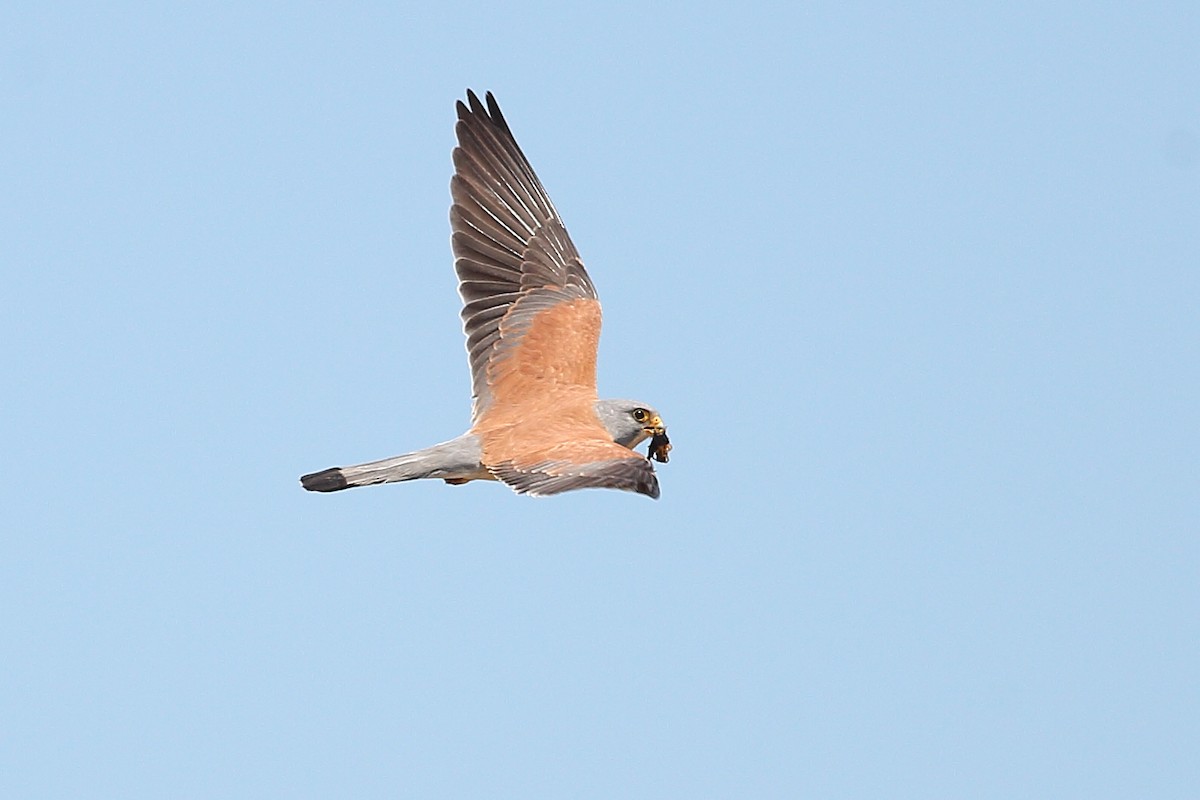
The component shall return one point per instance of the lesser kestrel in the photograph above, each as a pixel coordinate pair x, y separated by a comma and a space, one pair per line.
532, 321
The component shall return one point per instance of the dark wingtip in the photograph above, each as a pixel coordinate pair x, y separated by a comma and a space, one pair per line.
647, 484
475, 105
494, 111
327, 480
488, 109
470, 107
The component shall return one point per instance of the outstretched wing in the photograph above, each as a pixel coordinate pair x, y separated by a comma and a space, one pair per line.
532, 322
514, 260
551, 477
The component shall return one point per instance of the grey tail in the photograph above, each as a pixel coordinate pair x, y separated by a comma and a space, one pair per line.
457, 458
407, 467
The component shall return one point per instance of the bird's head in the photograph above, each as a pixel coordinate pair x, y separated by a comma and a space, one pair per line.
630, 423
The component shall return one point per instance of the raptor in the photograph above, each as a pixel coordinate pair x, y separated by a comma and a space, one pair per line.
532, 320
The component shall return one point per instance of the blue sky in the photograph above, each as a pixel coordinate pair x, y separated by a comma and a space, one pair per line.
915, 289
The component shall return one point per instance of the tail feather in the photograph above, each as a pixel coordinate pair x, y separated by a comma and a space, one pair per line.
327, 480
407, 467
456, 459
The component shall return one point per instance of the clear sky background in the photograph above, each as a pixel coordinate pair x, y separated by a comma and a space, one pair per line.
917, 291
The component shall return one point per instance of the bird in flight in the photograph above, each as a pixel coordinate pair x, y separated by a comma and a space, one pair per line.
532, 321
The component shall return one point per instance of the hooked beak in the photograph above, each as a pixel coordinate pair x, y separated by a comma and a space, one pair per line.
655, 426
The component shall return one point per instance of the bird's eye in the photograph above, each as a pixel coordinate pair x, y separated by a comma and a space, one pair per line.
640, 414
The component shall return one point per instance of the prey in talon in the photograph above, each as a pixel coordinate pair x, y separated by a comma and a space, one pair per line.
660, 446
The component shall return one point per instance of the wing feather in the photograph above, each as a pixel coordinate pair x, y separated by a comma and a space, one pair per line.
634, 474
513, 255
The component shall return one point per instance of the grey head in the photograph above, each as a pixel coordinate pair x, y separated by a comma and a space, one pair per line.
629, 422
